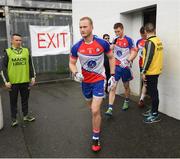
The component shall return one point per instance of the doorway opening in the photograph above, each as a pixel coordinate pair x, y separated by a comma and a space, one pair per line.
149, 15
133, 20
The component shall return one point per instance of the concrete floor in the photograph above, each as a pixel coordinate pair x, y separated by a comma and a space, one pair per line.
63, 128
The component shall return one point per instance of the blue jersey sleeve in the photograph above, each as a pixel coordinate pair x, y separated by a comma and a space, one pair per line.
137, 43
130, 42
106, 47
104, 44
74, 49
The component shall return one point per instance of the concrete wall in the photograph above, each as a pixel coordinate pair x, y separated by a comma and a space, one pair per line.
107, 12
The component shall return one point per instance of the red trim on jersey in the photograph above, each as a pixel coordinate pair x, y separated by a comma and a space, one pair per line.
140, 45
142, 42
91, 49
123, 43
140, 61
91, 77
117, 62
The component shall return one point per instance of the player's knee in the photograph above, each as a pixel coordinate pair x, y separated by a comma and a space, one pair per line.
95, 111
113, 89
126, 87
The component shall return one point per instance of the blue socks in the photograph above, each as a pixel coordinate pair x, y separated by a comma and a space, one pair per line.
96, 134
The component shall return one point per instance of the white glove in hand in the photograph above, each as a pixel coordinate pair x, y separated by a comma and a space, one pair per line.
111, 83
126, 63
79, 76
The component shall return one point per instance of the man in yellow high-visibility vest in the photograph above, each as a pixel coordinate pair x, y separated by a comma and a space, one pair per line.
152, 68
18, 74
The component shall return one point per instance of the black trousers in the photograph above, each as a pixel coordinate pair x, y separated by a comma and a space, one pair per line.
107, 71
23, 88
152, 84
108, 75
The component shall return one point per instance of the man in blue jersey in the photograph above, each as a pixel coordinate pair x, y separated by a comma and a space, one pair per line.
124, 52
90, 50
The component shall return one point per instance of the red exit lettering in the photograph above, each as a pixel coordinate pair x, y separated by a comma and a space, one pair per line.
53, 40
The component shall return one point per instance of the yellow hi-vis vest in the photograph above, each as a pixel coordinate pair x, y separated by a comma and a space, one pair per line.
156, 65
18, 66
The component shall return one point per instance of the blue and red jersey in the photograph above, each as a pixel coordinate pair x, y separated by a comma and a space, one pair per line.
122, 48
140, 45
91, 57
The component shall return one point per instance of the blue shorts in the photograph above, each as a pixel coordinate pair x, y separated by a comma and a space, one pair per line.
124, 73
93, 89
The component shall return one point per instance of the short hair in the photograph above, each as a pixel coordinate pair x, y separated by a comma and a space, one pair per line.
142, 31
149, 28
16, 34
87, 18
118, 25
105, 35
